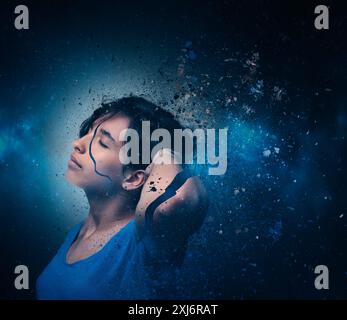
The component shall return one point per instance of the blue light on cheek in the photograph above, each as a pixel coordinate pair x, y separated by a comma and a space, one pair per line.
93, 159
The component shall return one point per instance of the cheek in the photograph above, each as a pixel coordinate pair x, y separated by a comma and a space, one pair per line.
101, 158
107, 164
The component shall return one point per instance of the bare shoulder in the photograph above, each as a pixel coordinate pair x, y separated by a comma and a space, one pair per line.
183, 214
192, 194
180, 208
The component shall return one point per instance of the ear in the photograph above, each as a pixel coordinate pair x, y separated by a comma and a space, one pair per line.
134, 180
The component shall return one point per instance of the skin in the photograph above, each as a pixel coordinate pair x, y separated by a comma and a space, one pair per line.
114, 202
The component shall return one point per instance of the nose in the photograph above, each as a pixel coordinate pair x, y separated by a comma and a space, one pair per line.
79, 145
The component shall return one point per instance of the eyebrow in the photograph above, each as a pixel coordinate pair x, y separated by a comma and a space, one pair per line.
107, 134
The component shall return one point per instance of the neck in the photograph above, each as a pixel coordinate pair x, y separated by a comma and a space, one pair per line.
107, 211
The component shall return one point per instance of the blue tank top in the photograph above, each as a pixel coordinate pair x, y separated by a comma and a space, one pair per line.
125, 268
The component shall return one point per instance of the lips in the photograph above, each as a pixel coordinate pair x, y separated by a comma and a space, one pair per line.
73, 159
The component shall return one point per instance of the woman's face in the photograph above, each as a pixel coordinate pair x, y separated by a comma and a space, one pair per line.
105, 149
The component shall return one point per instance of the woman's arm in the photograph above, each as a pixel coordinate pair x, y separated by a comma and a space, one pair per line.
180, 215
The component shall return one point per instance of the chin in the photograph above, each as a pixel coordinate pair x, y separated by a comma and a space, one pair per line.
72, 178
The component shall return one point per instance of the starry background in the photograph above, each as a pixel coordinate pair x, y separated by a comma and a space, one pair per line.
259, 68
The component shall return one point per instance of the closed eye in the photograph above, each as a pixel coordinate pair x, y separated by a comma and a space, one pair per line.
103, 145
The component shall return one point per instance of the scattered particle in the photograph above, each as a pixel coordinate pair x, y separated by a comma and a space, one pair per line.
266, 153
153, 189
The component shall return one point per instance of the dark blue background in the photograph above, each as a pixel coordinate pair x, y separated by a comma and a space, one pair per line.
259, 68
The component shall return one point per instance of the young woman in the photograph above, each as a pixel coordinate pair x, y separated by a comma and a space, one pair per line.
134, 238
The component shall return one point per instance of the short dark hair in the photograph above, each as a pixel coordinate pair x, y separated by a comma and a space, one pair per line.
137, 109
